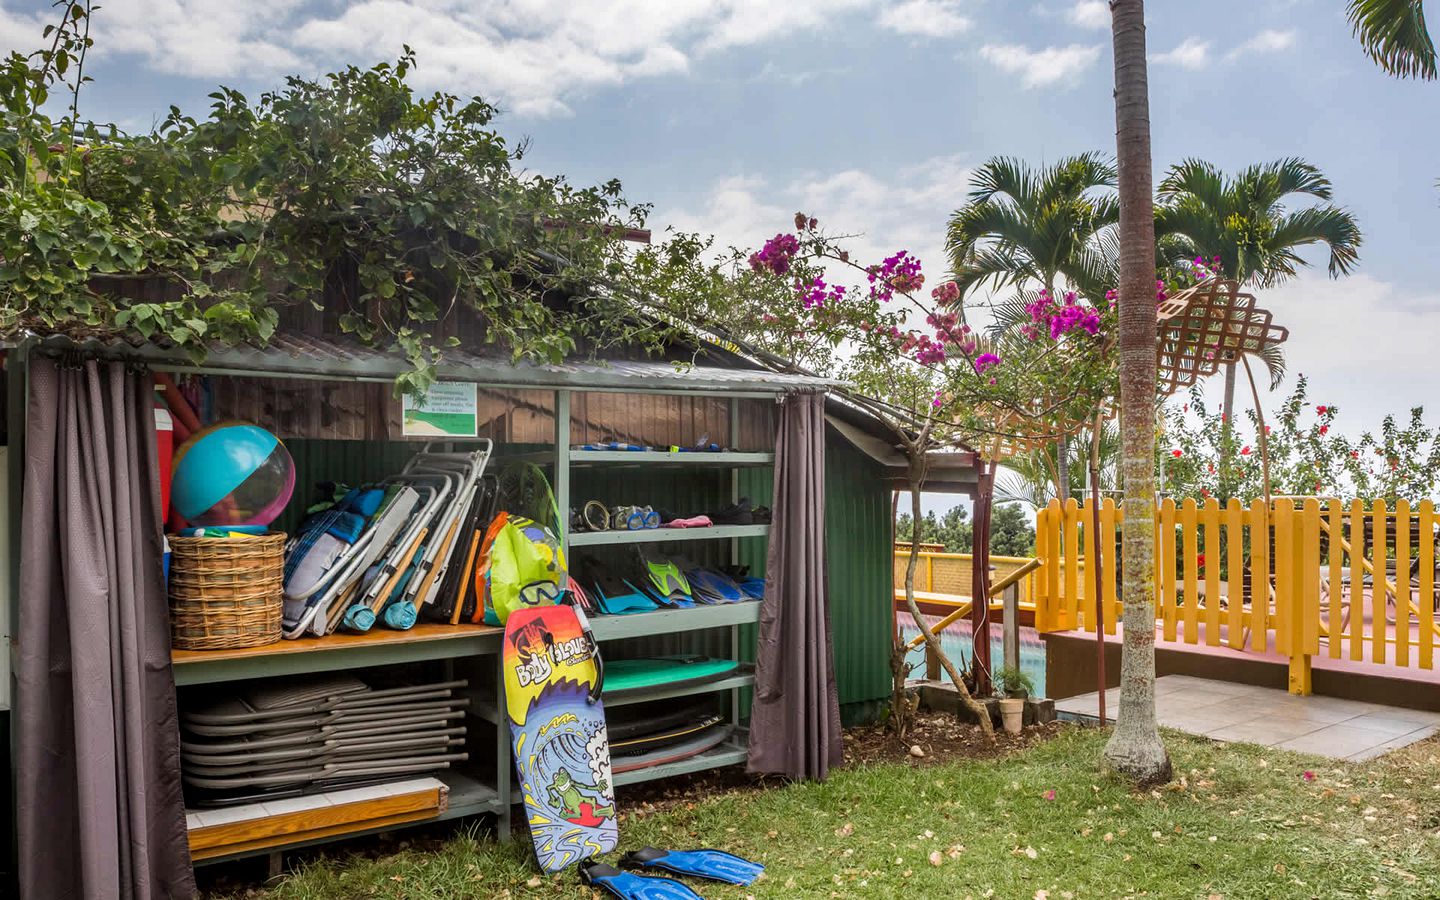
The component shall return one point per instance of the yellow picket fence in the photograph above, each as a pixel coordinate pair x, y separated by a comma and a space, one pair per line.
1349, 581
951, 573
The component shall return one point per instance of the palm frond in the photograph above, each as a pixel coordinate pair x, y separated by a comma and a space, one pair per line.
1003, 175
1273, 356
1332, 226
1197, 178
1394, 35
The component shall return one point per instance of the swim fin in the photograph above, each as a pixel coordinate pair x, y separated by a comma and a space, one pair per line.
716, 865
666, 578
628, 886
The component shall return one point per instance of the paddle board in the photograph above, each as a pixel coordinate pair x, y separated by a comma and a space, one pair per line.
665, 737
557, 733
706, 740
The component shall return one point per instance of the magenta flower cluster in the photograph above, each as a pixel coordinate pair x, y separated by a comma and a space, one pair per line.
923, 348
899, 272
985, 361
817, 292
1060, 318
946, 294
776, 255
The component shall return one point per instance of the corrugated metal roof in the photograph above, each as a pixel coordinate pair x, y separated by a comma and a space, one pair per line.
295, 354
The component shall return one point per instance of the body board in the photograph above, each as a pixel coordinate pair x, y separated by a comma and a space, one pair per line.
561, 748
624, 676
706, 740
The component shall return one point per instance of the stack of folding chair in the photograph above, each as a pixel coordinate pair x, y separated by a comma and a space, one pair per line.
273, 739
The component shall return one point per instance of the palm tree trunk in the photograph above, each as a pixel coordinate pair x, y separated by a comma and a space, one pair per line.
1227, 424
1135, 749
1062, 466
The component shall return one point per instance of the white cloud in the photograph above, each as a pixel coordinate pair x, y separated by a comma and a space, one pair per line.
531, 56
1043, 67
1191, 53
904, 210
21, 32
1366, 345
925, 18
1269, 41
1090, 14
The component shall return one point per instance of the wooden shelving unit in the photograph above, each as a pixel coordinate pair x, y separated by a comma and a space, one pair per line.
474, 790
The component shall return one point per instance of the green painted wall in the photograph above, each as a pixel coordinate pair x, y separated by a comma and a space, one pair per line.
858, 556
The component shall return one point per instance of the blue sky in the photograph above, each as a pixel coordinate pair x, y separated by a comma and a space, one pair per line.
731, 115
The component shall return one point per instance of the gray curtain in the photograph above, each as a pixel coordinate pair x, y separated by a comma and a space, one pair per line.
795, 718
100, 813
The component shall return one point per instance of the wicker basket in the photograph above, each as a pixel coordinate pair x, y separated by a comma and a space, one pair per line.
226, 592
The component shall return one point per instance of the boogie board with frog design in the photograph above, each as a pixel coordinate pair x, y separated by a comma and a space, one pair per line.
557, 732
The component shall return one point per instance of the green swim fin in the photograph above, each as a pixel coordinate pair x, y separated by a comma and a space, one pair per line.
668, 579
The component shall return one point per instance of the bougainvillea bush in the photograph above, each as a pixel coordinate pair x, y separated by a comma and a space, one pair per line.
1309, 454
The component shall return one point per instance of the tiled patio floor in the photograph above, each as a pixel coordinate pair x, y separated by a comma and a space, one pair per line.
1327, 726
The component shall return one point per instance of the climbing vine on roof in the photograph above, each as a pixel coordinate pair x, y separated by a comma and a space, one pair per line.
405, 204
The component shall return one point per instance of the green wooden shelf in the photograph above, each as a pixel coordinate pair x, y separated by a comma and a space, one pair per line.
665, 535
672, 621
728, 459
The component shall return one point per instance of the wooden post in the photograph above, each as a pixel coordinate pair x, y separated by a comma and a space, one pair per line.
932, 663
980, 581
1010, 623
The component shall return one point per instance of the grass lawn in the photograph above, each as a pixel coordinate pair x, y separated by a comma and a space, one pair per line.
1239, 821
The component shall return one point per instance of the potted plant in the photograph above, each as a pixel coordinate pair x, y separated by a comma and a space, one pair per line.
1014, 687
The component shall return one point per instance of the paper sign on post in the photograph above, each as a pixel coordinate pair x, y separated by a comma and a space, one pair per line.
448, 409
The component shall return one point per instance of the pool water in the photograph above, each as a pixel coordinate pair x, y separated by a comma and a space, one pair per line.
958, 645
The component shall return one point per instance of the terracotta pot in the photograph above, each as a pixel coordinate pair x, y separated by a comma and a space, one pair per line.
1012, 713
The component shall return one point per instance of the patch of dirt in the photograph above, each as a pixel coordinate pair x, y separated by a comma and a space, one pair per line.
940, 736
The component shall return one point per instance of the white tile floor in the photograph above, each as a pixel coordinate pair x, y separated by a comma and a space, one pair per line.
1325, 726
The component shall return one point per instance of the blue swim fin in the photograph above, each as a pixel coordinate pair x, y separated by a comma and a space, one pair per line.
628, 886
717, 865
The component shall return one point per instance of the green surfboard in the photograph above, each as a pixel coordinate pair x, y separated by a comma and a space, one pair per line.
624, 676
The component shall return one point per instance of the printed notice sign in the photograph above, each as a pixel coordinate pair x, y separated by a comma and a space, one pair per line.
448, 409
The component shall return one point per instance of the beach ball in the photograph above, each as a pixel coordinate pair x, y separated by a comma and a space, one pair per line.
231, 474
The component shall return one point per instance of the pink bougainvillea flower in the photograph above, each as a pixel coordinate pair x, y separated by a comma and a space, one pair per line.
1308, 776
1050, 794
985, 361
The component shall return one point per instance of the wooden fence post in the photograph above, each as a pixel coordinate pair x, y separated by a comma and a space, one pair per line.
1010, 601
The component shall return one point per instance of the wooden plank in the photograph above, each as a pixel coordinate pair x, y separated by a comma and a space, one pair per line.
1210, 519
1378, 599
1402, 583
1043, 597
1259, 575
1335, 599
1107, 554
421, 633
1165, 566
1426, 611
1190, 556
1310, 575
1234, 573
309, 824
1283, 565
1356, 596
1072, 564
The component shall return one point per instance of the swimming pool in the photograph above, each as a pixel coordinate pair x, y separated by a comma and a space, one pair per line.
958, 644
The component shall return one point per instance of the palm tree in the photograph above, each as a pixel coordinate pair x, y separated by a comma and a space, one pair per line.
1051, 228
1243, 220
1393, 34
1031, 478
1135, 748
